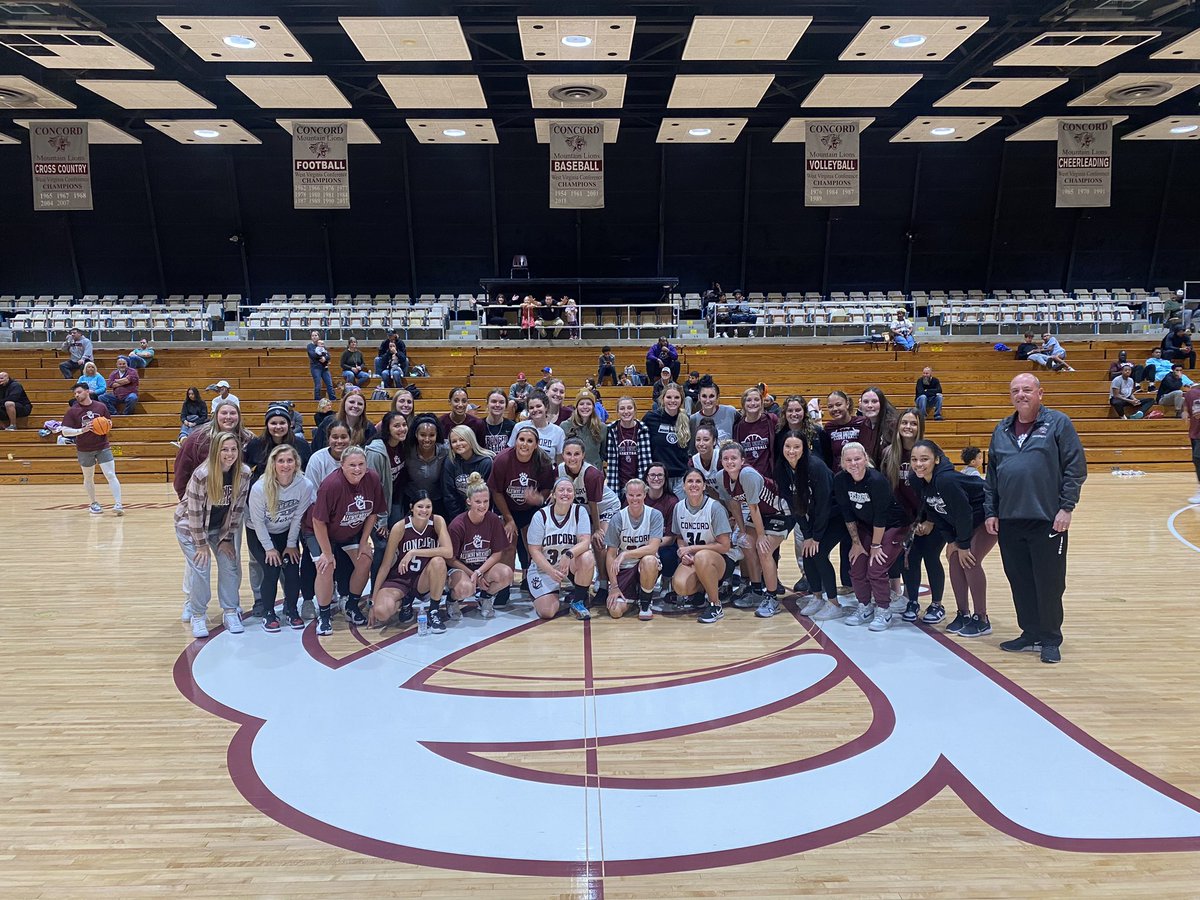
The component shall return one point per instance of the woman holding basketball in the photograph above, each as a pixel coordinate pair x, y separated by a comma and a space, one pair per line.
420, 547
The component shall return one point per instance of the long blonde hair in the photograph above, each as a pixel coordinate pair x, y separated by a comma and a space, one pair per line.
465, 433
683, 427
271, 483
216, 479
593, 424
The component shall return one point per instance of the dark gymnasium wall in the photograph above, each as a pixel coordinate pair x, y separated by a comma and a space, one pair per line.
431, 219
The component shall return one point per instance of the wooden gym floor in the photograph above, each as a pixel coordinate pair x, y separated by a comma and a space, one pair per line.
115, 784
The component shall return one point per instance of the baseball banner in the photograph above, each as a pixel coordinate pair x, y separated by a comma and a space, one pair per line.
577, 165
62, 169
320, 165
1084, 163
831, 163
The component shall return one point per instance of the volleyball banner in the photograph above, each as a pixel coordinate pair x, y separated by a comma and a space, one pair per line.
62, 168
830, 163
577, 165
320, 165
1084, 163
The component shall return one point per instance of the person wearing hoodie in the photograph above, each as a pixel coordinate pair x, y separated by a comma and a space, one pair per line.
805, 483
670, 436
955, 503
387, 458
275, 511
465, 457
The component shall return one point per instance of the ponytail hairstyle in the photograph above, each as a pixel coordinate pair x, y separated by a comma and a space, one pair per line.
271, 483
793, 484
419, 420
855, 445
938, 455
709, 426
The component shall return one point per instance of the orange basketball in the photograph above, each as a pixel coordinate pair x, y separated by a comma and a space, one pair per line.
101, 425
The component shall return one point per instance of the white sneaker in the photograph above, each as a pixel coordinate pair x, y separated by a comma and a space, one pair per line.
199, 627
1195, 498
187, 613
96, 509
453, 611
233, 623
487, 605
829, 611
897, 602
814, 605
119, 509
882, 621
862, 615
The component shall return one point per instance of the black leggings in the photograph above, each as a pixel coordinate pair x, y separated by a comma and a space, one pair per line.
818, 569
289, 572
925, 549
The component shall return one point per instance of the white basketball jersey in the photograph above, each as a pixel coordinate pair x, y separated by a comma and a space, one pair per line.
633, 537
695, 527
556, 535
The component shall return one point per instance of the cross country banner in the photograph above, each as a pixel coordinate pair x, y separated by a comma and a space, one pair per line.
577, 165
62, 169
320, 165
1084, 163
830, 163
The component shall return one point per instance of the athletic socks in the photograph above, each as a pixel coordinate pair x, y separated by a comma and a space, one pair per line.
579, 593
502, 597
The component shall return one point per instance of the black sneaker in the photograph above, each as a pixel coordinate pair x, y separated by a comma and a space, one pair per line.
324, 623
975, 627
270, 622
406, 614
1051, 653
725, 593
502, 597
600, 598
738, 586
712, 613
354, 615
958, 624
645, 613
1022, 644
911, 610
291, 615
934, 614
436, 625
801, 586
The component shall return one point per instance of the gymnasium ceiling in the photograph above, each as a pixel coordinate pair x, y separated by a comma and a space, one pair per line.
695, 72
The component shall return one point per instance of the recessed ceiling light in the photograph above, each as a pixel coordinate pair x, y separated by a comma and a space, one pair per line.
906, 41
699, 132
240, 42
577, 40
206, 133
454, 132
942, 130
1184, 129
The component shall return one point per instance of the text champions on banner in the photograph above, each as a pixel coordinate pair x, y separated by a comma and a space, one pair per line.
62, 169
830, 163
1084, 163
577, 165
320, 165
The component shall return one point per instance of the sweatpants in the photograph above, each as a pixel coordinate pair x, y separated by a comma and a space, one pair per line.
973, 579
925, 550
229, 574
870, 579
1035, 564
288, 573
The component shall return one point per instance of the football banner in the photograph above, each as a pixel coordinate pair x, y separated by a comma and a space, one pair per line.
830, 163
320, 165
1084, 163
62, 169
577, 165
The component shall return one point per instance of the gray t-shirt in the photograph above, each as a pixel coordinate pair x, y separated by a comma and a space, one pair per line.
627, 533
550, 437
1125, 387
723, 419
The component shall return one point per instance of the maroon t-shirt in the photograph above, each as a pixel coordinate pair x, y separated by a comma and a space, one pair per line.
857, 429
474, 544
627, 455
511, 477
1191, 407
472, 422
564, 413
665, 505
78, 416
758, 442
344, 507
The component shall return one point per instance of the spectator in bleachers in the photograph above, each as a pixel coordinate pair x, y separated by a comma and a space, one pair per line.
1122, 395
216, 314
551, 315
391, 365
80, 350
1026, 347
1114, 368
318, 367
14, 402
141, 355
192, 414
661, 383
662, 354
323, 411
570, 317
1051, 354
691, 392
529, 313
351, 412
969, 456
1156, 367
1178, 345
606, 366
929, 393
1171, 388
223, 395
492, 314
122, 388
354, 371
626, 380
459, 415
901, 329
518, 395
93, 379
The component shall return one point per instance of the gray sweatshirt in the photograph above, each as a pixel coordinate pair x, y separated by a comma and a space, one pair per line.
290, 504
724, 419
320, 466
1036, 478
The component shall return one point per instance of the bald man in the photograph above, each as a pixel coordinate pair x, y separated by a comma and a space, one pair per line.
1036, 468
14, 402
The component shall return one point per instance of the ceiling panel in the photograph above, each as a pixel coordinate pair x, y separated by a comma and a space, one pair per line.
434, 91
1046, 129
576, 39
910, 39
943, 129
1067, 49
407, 39
204, 131
453, 131
142, 94
290, 91
700, 130
1172, 128
1010, 92
718, 91
237, 39
860, 91
99, 131
542, 128
5, 139
744, 37
794, 131
1187, 47
360, 131
612, 86
1131, 89
18, 92
71, 50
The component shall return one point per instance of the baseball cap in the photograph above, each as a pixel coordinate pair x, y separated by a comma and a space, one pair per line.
520, 376
547, 371
1127, 365
222, 384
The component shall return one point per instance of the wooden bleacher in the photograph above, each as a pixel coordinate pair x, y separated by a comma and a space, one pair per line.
975, 379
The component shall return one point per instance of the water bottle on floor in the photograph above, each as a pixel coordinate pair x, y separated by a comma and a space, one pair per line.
422, 618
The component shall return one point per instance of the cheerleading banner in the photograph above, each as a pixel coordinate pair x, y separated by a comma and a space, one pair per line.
577, 165
1084, 163
320, 165
830, 163
62, 169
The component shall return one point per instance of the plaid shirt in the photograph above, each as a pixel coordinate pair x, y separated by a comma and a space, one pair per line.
613, 462
191, 515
